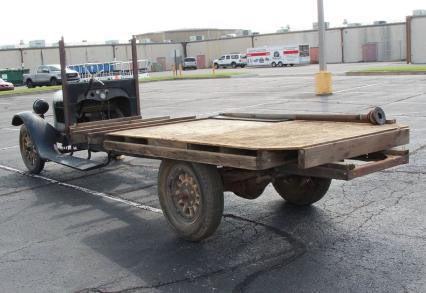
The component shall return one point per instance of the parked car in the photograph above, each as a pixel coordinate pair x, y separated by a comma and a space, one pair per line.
6, 86
189, 63
49, 75
232, 60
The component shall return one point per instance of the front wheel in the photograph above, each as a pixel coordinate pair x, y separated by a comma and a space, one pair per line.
29, 153
274, 64
234, 65
301, 190
191, 197
53, 81
280, 64
216, 66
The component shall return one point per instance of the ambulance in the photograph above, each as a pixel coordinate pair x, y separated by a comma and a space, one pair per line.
278, 55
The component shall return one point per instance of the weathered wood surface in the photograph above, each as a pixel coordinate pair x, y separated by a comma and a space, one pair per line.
352, 147
253, 135
83, 128
103, 122
218, 159
343, 171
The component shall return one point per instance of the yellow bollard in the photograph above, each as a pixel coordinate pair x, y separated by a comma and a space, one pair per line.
180, 70
213, 71
323, 83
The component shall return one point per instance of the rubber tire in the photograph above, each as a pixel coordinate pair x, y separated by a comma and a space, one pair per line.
211, 190
39, 162
291, 65
53, 81
280, 64
273, 64
216, 66
289, 189
29, 83
242, 66
234, 65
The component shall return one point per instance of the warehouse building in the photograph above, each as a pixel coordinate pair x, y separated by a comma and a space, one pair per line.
367, 43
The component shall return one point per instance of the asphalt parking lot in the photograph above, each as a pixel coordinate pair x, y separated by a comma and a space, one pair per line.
102, 231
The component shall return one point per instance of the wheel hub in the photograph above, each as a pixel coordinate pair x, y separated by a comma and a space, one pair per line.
186, 196
29, 150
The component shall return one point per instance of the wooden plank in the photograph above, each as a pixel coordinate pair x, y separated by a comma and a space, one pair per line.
334, 171
98, 137
99, 122
371, 167
173, 121
254, 135
116, 125
347, 172
217, 159
349, 148
271, 159
167, 143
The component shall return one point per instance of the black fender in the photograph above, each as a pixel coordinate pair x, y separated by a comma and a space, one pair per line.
42, 134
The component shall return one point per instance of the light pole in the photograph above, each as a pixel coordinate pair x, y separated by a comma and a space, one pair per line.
323, 83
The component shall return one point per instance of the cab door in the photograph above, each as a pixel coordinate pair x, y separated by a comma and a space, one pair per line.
42, 75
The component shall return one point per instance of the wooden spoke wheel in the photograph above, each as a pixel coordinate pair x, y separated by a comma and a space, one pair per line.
29, 153
191, 197
301, 190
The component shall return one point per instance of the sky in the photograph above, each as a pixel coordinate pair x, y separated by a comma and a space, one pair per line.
100, 20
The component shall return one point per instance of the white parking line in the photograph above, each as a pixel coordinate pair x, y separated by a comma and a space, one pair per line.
85, 190
9, 147
11, 129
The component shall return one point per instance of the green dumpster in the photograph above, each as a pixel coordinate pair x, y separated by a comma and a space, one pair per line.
156, 67
13, 75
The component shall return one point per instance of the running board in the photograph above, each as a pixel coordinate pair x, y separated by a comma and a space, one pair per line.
75, 162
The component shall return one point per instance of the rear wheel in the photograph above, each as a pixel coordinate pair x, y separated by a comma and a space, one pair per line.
234, 65
191, 197
274, 64
301, 190
280, 64
29, 83
29, 153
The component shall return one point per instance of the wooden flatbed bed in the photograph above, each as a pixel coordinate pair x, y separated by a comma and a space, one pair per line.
302, 147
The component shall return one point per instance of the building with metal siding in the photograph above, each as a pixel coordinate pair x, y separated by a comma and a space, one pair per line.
385, 42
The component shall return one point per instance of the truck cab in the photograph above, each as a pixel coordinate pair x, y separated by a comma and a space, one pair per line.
49, 75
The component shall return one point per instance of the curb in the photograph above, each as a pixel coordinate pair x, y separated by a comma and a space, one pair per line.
140, 81
30, 93
366, 73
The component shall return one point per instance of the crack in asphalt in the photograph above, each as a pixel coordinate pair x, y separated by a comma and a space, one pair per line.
403, 99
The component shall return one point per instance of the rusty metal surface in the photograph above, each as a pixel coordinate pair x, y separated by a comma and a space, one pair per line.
375, 116
136, 74
64, 82
244, 183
